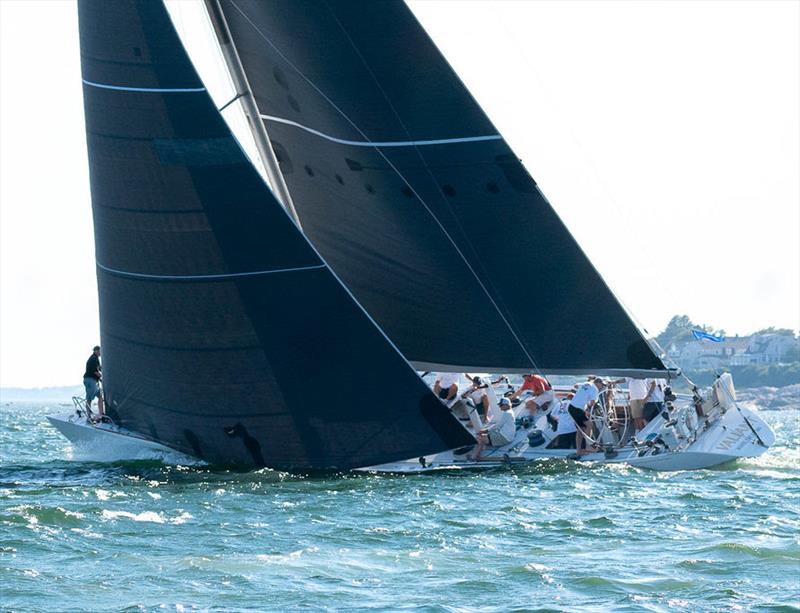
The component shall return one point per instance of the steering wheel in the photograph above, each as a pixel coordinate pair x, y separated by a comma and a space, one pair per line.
605, 416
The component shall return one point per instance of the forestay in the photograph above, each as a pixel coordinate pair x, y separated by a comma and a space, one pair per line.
225, 335
414, 199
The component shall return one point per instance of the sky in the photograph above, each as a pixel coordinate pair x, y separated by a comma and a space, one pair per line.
665, 134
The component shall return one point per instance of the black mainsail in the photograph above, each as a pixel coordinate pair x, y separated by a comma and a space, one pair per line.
225, 334
419, 205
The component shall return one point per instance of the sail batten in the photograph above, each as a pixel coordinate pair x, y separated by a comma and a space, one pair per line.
390, 143
225, 334
232, 275
452, 249
155, 90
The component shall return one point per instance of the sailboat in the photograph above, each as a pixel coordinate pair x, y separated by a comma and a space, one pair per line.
286, 324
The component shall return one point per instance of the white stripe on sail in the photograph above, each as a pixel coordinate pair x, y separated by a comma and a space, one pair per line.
139, 275
392, 143
162, 90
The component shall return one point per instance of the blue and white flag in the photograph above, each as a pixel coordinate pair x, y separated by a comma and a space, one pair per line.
700, 335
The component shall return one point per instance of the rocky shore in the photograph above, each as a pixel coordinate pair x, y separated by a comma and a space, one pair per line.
771, 398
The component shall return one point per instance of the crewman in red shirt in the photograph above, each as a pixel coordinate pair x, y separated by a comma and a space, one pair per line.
541, 390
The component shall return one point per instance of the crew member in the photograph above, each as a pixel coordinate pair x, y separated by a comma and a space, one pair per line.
582, 402
479, 393
654, 401
91, 381
637, 392
446, 385
564, 427
540, 388
499, 431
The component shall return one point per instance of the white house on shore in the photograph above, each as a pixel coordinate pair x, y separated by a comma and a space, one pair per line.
736, 351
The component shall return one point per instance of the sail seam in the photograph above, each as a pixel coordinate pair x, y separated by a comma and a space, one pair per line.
139, 275
182, 349
394, 143
159, 90
194, 413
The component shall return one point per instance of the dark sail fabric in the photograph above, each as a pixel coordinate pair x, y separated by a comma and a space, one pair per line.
224, 333
411, 196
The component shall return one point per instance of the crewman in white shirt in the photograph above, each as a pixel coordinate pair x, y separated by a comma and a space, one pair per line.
481, 394
580, 405
654, 400
637, 392
565, 426
499, 431
446, 385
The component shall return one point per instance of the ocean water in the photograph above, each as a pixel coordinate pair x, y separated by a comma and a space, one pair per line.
78, 534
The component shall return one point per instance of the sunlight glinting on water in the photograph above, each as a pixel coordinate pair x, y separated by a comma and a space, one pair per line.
82, 534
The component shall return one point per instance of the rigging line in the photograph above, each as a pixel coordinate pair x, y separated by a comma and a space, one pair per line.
639, 328
393, 167
157, 90
637, 325
392, 143
233, 275
231, 101
504, 316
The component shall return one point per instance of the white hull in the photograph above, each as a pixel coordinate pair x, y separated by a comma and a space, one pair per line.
730, 438
725, 439
108, 442
725, 432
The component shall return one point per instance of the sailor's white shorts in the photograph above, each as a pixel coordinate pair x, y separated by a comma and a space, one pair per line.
477, 397
496, 438
543, 398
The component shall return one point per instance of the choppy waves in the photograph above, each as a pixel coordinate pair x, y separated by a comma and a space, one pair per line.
128, 536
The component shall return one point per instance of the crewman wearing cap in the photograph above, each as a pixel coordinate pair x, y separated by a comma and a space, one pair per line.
541, 390
499, 431
479, 393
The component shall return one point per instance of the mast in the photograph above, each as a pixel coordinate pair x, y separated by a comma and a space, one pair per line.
265, 150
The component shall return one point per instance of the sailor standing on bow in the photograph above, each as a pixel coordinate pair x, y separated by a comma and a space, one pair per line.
91, 381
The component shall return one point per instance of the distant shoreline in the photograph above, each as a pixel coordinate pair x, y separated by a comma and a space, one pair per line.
61, 393
767, 398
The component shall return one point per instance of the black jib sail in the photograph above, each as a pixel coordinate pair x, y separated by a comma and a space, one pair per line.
225, 335
414, 199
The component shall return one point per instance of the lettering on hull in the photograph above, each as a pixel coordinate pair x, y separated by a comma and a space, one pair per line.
733, 437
